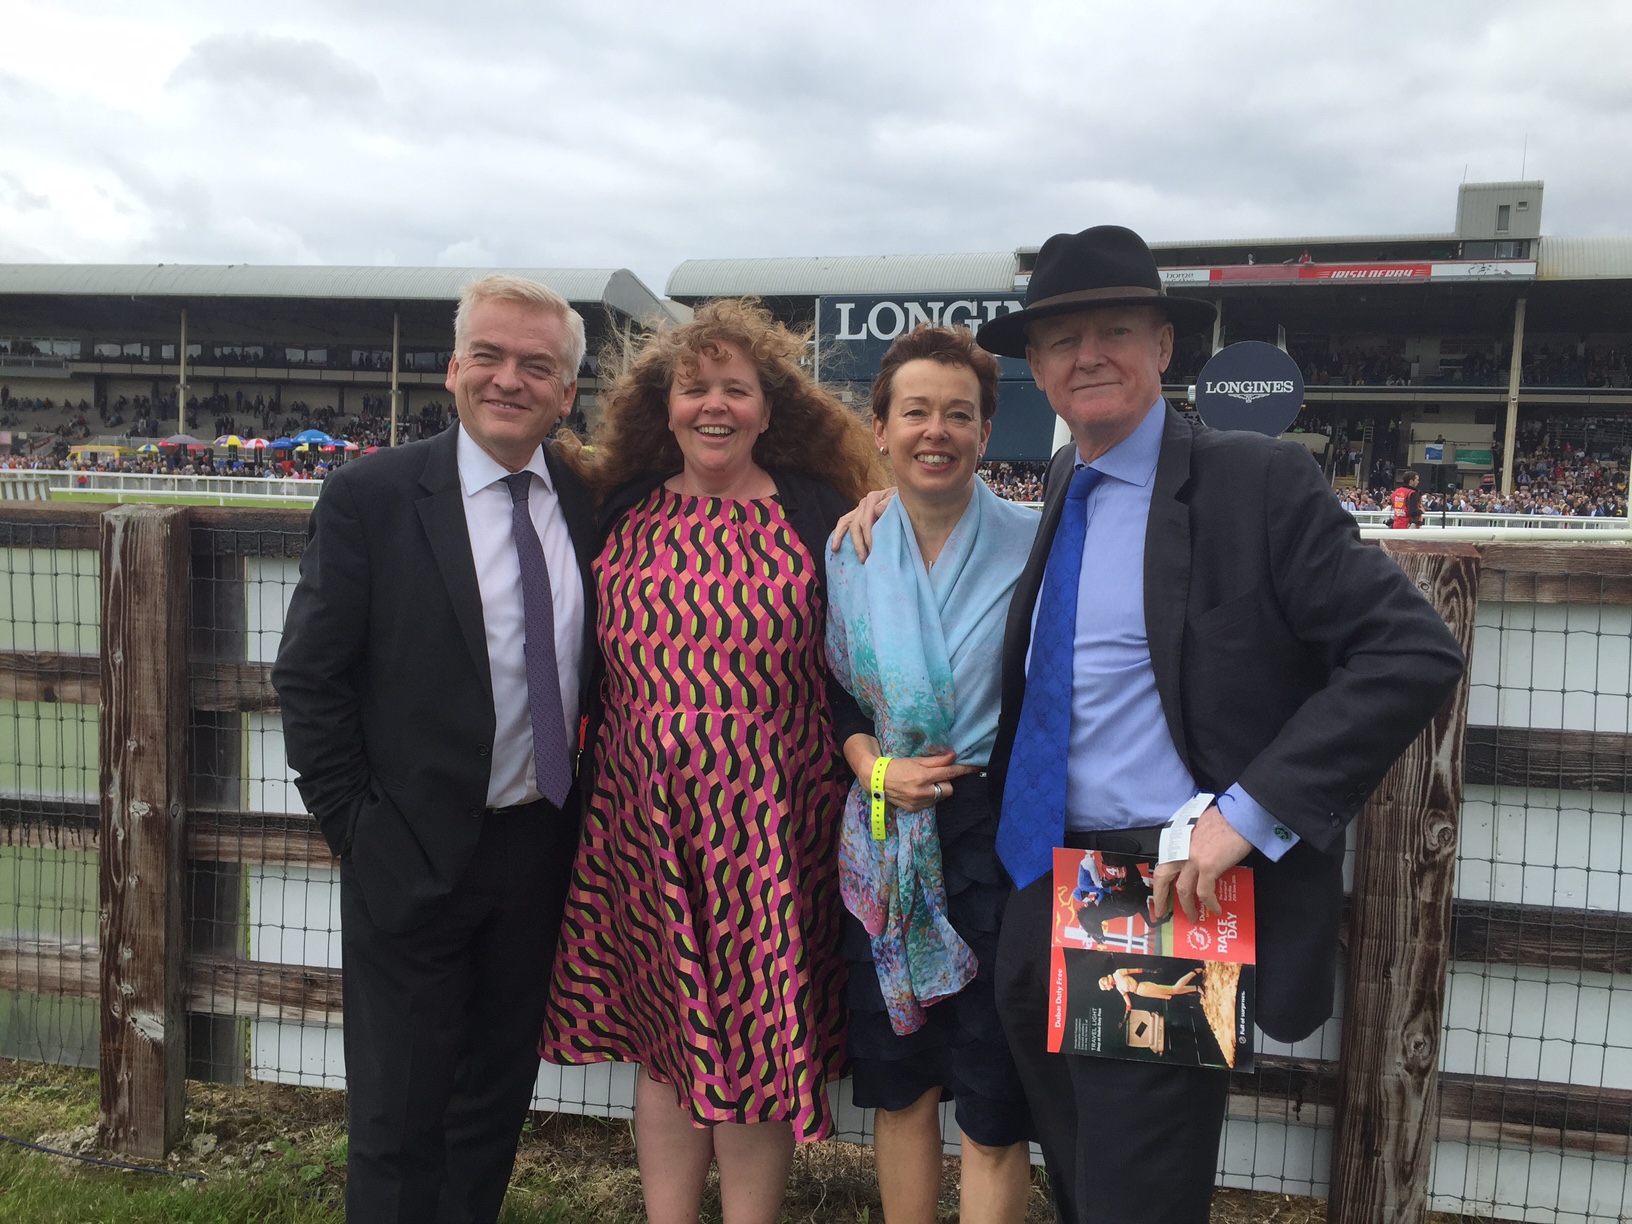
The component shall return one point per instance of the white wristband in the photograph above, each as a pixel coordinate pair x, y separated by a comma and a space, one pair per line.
1175, 844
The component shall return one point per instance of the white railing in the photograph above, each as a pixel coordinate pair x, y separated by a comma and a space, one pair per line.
1432, 520
201, 489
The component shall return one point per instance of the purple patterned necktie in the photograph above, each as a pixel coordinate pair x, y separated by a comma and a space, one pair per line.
550, 755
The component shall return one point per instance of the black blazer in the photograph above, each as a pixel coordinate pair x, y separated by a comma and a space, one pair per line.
1289, 656
383, 674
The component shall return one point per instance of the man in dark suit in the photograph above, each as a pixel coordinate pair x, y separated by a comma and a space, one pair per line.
432, 675
1198, 615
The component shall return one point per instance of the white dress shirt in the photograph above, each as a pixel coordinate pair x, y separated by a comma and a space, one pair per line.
513, 776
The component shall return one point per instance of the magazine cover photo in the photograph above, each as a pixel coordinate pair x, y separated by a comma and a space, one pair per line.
1127, 986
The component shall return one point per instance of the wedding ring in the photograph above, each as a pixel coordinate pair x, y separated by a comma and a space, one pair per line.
937, 786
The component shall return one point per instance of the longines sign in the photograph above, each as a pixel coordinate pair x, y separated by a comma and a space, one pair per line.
856, 329
1250, 385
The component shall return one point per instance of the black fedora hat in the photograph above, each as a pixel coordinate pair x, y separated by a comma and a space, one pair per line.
1106, 265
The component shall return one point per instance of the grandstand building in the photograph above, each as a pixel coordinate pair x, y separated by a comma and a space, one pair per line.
1405, 340
257, 346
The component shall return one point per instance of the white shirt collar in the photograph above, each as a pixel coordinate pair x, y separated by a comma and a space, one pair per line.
478, 469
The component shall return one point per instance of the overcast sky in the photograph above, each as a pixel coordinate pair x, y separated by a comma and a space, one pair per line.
544, 134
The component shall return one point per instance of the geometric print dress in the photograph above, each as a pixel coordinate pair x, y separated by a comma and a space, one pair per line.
702, 935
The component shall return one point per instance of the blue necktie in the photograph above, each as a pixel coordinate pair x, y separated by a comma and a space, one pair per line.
550, 755
1033, 820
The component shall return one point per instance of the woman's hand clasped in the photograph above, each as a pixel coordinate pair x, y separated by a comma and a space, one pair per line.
911, 784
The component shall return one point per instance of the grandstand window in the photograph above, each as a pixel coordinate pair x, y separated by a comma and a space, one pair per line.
1503, 213
295, 356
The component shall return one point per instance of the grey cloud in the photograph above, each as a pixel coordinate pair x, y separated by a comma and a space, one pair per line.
269, 64
639, 134
14, 194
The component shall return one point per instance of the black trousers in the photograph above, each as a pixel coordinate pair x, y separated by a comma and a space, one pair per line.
442, 1027
1124, 1142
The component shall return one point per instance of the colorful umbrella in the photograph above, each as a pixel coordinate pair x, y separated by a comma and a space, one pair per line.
229, 440
147, 448
313, 435
281, 444
181, 440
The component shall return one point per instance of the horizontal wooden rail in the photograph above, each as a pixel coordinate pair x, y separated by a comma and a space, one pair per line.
26, 675
261, 839
215, 985
263, 990
1556, 572
44, 525
1551, 760
240, 687
75, 679
1542, 1114
1570, 940
214, 530
46, 965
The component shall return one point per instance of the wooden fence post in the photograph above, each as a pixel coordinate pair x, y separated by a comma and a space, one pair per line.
1400, 937
144, 779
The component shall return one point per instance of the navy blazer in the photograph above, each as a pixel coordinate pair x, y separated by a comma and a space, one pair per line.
1290, 657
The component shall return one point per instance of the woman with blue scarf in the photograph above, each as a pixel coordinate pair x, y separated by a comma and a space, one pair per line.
915, 635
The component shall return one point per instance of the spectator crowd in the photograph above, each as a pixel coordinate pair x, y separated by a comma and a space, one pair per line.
1563, 467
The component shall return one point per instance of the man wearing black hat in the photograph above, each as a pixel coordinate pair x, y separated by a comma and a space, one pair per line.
1198, 615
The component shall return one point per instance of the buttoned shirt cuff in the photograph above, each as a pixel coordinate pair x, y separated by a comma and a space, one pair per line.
1247, 817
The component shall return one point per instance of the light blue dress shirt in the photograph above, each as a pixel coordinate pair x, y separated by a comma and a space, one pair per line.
1123, 770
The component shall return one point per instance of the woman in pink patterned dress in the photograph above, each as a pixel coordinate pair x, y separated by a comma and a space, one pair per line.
702, 932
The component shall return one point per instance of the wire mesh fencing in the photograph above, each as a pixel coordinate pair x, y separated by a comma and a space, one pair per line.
49, 616
1535, 1092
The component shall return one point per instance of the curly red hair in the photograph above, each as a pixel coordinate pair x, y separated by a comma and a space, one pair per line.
810, 431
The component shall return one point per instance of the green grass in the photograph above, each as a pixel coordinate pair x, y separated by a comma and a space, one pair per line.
274, 1154
180, 499
34, 1191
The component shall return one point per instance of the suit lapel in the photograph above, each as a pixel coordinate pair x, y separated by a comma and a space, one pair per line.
1167, 571
442, 511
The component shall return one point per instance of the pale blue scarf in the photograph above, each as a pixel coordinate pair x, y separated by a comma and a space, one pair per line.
919, 649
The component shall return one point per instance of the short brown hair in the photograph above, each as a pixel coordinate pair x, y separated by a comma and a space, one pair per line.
810, 432
951, 346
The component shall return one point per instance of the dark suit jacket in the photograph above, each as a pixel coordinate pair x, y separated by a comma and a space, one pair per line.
383, 673
1290, 657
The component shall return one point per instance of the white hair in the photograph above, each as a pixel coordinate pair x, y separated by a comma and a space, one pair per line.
501, 287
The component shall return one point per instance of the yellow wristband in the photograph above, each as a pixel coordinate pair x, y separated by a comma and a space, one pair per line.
877, 789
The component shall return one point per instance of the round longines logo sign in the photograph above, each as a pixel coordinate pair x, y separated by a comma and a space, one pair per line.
1250, 385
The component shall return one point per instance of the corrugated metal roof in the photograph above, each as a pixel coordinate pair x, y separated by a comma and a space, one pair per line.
1584, 259
618, 288
819, 274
